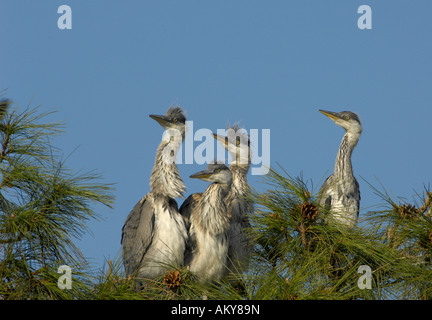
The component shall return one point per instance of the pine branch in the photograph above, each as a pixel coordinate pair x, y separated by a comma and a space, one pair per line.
43, 208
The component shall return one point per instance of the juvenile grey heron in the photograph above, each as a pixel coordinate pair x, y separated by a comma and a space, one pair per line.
238, 200
340, 193
207, 250
154, 234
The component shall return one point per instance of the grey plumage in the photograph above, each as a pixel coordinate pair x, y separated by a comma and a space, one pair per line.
238, 199
340, 193
207, 250
154, 234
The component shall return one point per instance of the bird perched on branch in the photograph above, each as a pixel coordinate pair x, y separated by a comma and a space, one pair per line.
238, 200
207, 250
154, 234
340, 193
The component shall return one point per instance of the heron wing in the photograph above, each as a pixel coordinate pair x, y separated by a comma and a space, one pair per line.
324, 196
359, 196
357, 188
186, 209
137, 234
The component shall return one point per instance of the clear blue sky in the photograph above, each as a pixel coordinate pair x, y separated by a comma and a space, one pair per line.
269, 64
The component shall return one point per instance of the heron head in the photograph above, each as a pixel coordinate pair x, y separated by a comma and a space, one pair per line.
174, 119
237, 143
345, 119
216, 173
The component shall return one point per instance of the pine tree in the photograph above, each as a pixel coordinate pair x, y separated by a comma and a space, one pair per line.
43, 208
299, 258
387, 256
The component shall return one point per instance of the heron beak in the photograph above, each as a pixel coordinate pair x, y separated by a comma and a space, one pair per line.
162, 120
332, 115
205, 174
222, 139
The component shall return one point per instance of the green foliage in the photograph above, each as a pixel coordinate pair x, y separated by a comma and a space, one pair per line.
299, 257
407, 229
43, 207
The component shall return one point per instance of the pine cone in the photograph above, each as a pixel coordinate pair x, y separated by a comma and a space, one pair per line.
172, 280
309, 210
408, 211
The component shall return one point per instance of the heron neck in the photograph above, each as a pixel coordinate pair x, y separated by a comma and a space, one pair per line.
238, 199
213, 215
343, 165
241, 159
165, 178
240, 185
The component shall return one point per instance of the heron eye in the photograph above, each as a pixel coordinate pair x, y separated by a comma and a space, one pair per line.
175, 120
217, 170
347, 117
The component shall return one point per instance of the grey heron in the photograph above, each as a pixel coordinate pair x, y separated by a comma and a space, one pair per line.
340, 193
238, 200
207, 251
154, 234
